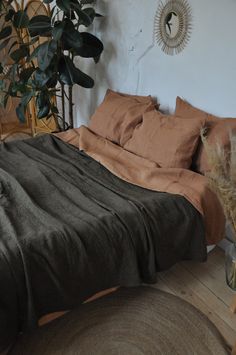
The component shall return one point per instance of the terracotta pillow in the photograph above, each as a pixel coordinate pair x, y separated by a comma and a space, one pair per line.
184, 109
168, 140
118, 115
218, 131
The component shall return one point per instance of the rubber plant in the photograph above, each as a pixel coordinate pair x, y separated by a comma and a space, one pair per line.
41, 55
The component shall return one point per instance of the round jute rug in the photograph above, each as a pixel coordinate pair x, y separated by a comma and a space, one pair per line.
131, 321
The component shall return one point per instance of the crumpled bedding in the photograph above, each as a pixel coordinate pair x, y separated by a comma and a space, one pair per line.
142, 172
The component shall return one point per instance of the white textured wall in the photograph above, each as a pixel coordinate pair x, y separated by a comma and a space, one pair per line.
204, 73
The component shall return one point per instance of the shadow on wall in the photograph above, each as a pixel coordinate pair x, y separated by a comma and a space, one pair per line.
102, 79
87, 100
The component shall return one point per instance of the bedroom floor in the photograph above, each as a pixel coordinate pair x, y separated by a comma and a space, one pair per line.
204, 286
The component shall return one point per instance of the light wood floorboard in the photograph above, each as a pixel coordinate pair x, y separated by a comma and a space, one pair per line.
204, 286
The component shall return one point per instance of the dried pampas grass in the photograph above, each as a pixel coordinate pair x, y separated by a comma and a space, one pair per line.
222, 177
222, 180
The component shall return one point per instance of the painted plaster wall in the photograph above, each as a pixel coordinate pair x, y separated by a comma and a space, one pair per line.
204, 73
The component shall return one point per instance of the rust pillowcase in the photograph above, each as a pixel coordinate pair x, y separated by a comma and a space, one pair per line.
118, 115
218, 131
168, 140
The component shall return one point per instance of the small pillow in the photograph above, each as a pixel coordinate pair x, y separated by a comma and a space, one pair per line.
218, 131
168, 140
118, 115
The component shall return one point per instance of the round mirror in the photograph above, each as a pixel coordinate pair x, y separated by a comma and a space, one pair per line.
173, 25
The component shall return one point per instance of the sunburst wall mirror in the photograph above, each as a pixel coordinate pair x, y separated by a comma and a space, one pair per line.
173, 25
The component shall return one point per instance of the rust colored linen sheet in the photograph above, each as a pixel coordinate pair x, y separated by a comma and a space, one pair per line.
142, 172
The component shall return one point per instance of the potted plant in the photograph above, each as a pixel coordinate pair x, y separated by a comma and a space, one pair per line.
40, 53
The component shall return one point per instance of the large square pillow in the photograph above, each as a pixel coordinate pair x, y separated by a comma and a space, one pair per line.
118, 115
168, 140
218, 131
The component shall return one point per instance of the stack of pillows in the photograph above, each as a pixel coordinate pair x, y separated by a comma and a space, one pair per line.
171, 141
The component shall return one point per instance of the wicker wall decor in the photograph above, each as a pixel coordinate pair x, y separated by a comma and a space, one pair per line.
173, 25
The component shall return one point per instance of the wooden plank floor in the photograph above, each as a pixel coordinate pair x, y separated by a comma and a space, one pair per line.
204, 286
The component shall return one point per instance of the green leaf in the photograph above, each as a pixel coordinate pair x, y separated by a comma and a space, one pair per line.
65, 72
70, 75
82, 79
17, 87
64, 5
92, 47
58, 30
13, 72
5, 32
19, 53
12, 45
26, 74
26, 98
43, 112
4, 43
90, 12
43, 105
47, 1
33, 54
46, 52
71, 39
52, 82
54, 109
9, 15
84, 18
40, 25
20, 112
20, 19
42, 77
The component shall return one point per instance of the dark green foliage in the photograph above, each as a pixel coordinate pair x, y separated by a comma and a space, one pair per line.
40, 26
20, 19
38, 67
5, 32
9, 15
20, 53
92, 47
20, 111
70, 75
45, 54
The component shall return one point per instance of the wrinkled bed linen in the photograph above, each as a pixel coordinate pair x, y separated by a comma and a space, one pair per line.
69, 228
142, 172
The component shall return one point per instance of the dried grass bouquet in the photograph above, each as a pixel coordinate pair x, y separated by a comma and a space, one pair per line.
222, 180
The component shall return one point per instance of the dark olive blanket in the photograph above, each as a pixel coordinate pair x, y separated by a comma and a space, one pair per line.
69, 228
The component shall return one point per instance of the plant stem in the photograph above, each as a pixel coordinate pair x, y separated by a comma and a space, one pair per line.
63, 106
71, 120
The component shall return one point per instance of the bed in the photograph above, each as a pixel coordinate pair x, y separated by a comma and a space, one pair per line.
80, 214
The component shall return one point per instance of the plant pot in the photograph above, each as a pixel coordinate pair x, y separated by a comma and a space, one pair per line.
230, 266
